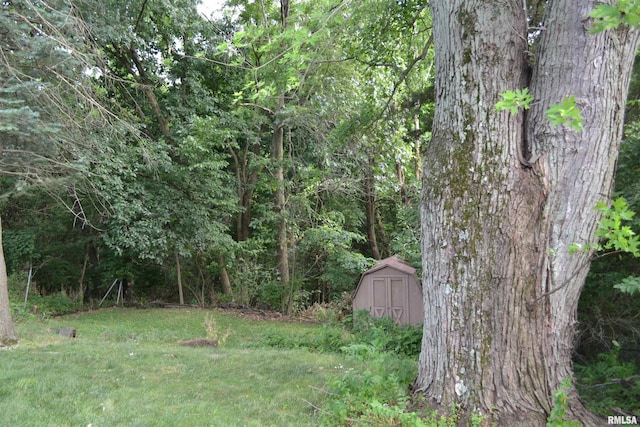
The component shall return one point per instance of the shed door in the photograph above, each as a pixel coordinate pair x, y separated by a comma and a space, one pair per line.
390, 298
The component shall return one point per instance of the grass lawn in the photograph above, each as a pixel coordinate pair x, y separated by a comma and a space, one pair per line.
125, 368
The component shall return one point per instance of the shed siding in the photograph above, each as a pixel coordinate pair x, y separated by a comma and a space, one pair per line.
387, 291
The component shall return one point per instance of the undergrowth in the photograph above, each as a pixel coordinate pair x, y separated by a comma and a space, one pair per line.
376, 393
609, 383
557, 418
36, 305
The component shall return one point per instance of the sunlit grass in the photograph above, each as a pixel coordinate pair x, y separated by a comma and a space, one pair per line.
125, 368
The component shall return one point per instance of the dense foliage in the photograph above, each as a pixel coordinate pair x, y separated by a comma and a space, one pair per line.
137, 144
175, 183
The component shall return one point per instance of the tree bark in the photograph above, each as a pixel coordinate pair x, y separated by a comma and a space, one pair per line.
503, 198
8, 334
277, 148
247, 177
417, 156
224, 278
370, 209
402, 183
179, 272
282, 247
81, 285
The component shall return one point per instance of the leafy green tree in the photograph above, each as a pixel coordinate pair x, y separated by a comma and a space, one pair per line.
279, 45
606, 314
48, 108
165, 190
387, 114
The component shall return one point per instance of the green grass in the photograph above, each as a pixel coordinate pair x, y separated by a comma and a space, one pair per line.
126, 369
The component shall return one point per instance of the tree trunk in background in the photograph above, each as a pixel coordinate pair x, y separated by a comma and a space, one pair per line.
417, 155
246, 177
277, 148
81, 285
179, 272
282, 247
244, 216
224, 278
8, 334
500, 287
402, 183
370, 209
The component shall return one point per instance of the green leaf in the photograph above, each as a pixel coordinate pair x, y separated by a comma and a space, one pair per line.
566, 113
629, 285
575, 247
514, 100
623, 12
616, 236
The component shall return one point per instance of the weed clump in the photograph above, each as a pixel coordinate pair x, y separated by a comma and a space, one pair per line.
375, 393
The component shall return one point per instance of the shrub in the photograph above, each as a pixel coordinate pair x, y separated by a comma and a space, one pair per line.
609, 383
336, 312
385, 335
375, 395
270, 296
44, 306
53, 305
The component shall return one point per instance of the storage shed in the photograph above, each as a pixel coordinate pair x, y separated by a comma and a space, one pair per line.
391, 289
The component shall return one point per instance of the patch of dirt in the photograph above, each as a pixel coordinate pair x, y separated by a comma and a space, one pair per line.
250, 313
253, 313
203, 342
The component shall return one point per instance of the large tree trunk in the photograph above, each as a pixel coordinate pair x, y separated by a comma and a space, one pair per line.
8, 334
500, 287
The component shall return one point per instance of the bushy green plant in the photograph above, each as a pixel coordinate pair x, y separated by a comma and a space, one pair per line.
52, 305
36, 305
270, 296
374, 396
328, 339
386, 335
609, 383
16, 284
330, 246
374, 335
337, 312
20, 312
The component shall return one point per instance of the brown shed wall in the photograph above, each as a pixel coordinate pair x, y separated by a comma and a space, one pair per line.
387, 291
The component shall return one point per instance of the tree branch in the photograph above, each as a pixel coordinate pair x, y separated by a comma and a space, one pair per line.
628, 380
404, 75
135, 27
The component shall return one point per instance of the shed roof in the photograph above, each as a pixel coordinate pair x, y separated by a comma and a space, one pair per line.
394, 263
